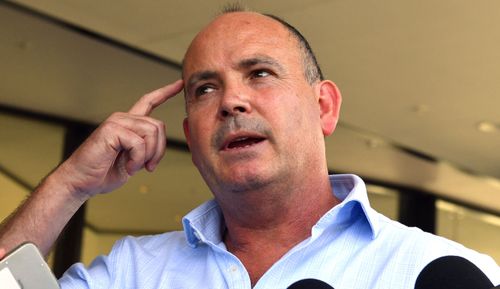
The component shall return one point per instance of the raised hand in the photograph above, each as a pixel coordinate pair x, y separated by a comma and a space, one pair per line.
119, 147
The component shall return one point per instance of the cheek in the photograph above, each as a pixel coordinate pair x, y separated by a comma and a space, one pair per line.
283, 104
199, 131
300, 117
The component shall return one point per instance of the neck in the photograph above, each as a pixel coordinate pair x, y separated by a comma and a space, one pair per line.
263, 226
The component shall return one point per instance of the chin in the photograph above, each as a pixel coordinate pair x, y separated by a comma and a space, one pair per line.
238, 182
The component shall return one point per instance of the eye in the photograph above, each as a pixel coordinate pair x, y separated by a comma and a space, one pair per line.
204, 89
260, 73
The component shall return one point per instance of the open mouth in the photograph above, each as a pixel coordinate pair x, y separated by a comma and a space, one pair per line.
242, 142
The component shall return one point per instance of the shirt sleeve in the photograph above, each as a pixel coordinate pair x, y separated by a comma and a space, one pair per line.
101, 272
134, 262
79, 277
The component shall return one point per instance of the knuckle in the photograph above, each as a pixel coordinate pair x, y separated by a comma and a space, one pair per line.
139, 142
109, 127
161, 125
149, 129
158, 122
116, 115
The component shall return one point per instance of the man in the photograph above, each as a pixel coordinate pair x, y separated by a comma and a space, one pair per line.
257, 114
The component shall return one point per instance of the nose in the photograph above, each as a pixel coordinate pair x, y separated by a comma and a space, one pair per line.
234, 101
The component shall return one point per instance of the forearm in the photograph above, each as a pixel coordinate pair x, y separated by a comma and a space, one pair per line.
42, 217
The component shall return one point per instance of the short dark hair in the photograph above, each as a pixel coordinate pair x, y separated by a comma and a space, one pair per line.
312, 71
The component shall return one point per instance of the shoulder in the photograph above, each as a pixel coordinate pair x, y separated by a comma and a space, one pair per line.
416, 238
150, 245
131, 260
163, 249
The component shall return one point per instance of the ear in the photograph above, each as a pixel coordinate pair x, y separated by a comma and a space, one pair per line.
185, 125
329, 100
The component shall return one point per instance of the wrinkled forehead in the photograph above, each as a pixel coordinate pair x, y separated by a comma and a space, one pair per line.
237, 33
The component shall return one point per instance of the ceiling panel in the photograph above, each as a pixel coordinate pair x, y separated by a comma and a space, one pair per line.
156, 26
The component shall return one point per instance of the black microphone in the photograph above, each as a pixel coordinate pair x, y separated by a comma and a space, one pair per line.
452, 272
310, 284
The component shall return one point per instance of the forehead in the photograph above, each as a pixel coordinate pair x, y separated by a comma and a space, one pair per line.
233, 36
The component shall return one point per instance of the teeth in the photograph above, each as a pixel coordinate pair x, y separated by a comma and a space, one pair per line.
241, 142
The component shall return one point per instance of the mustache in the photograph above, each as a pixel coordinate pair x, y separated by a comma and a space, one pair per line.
240, 123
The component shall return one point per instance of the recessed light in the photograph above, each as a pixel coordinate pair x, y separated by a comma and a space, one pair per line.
143, 189
24, 45
487, 127
373, 143
420, 109
494, 182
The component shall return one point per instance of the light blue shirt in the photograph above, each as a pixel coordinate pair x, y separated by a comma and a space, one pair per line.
352, 246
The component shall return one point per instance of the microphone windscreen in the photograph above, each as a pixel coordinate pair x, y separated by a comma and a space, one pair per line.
310, 284
452, 272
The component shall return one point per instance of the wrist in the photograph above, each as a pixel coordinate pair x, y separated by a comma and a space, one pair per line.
58, 184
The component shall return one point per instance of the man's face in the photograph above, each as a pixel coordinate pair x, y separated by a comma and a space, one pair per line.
253, 119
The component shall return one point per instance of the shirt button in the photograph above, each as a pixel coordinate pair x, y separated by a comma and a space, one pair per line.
233, 269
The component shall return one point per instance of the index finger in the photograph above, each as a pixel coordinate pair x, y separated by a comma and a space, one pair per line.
146, 104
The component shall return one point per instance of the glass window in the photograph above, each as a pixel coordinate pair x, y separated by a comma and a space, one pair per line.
474, 229
384, 200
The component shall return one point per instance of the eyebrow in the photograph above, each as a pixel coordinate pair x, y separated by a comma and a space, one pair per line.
260, 59
199, 76
243, 64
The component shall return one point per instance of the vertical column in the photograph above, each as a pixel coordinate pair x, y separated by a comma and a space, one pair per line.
68, 248
417, 209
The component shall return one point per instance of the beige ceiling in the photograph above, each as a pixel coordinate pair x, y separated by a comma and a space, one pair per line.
414, 74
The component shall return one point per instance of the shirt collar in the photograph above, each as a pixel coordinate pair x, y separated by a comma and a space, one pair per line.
204, 224
351, 191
